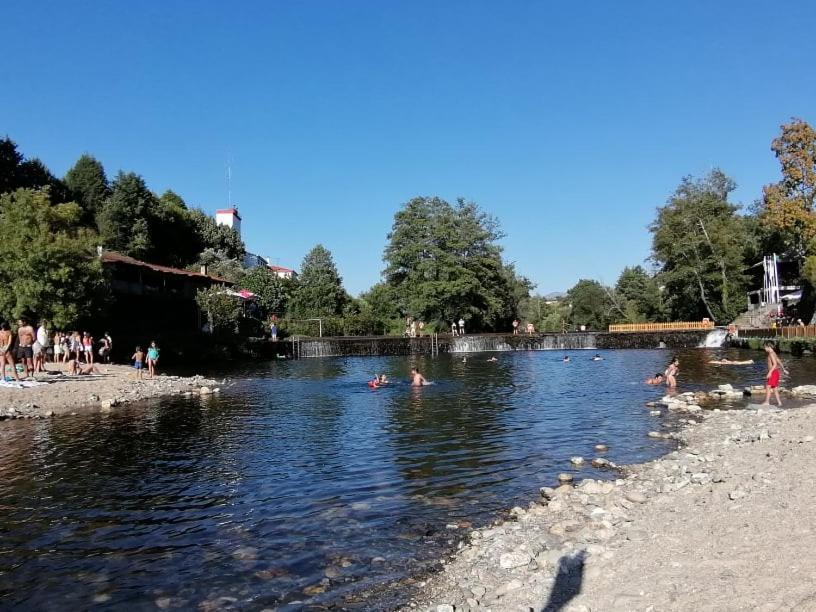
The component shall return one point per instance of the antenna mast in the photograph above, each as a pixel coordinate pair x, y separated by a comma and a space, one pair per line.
229, 182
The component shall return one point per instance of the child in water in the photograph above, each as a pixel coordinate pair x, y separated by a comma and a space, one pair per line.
671, 373
417, 379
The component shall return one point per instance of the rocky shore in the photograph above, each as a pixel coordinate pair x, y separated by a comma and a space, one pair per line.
720, 523
59, 393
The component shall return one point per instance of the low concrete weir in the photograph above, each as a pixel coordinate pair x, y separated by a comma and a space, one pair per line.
370, 346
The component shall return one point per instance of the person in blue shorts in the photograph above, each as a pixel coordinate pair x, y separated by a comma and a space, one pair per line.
138, 362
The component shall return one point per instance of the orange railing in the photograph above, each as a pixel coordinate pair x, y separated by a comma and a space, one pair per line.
656, 327
794, 331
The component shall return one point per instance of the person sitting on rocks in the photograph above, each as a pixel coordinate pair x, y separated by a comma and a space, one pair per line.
657, 379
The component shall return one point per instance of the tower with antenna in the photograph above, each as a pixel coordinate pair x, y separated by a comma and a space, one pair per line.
229, 216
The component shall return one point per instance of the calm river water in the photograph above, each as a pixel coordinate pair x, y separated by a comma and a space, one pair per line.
301, 487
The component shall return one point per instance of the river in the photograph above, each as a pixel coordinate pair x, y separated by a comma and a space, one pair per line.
298, 486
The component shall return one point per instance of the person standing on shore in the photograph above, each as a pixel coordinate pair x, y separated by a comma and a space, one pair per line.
87, 347
138, 362
273, 331
25, 346
6, 353
515, 326
775, 369
453, 329
152, 358
461, 326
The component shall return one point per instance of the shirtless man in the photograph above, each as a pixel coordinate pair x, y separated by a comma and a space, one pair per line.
775, 369
657, 379
417, 379
25, 346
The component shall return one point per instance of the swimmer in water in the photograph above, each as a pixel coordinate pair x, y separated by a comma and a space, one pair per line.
597, 357
417, 379
383, 379
730, 362
492, 360
657, 379
566, 358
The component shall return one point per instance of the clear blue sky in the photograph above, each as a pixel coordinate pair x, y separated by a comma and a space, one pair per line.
569, 121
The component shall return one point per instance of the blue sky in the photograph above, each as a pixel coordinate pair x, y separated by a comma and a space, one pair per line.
568, 121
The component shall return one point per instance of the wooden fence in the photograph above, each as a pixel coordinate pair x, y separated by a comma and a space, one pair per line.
658, 327
794, 331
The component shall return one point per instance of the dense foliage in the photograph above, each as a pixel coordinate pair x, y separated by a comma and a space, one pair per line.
49, 271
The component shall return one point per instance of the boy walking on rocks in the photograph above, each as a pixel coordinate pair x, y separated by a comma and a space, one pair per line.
775, 369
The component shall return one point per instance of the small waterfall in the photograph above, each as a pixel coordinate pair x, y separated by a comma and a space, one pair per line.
556, 342
479, 344
715, 338
318, 348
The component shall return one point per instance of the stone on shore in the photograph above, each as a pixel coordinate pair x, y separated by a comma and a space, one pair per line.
564, 477
514, 559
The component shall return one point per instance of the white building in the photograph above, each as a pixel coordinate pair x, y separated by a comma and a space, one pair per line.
229, 217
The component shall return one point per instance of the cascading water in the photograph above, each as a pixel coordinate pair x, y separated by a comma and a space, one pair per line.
318, 348
479, 344
562, 342
715, 338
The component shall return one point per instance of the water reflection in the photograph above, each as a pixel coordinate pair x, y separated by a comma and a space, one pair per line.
302, 484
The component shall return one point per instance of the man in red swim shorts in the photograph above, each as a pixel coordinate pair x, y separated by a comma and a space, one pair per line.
775, 369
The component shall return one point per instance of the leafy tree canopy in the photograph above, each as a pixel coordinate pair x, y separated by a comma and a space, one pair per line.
49, 266
443, 262
699, 242
273, 292
589, 305
88, 184
319, 291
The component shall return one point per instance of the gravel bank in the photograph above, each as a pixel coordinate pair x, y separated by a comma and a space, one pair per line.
722, 523
63, 394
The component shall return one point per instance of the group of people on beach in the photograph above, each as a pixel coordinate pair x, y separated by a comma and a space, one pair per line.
29, 349
772, 378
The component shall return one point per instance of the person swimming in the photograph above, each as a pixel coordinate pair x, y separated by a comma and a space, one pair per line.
492, 360
657, 379
730, 362
417, 379
597, 357
671, 373
566, 359
384, 379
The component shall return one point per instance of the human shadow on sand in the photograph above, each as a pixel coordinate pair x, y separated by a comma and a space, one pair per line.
568, 582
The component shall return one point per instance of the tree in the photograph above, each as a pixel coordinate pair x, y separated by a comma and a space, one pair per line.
10, 160
319, 291
273, 292
49, 266
636, 296
16, 172
88, 184
589, 304
443, 262
124, 218
174, 240
699, 242
217, 263
223, 311
788, 206
217, 237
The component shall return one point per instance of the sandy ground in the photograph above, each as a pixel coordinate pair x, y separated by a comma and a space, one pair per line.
116, 385
723, 523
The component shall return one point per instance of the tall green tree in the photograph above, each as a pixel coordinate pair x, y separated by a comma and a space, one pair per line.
49, 265
589, 305
636, 296
124, 219
444, 262
88, 184
699, 242
319, 291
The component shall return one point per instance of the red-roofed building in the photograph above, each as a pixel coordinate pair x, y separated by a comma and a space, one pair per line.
283, 272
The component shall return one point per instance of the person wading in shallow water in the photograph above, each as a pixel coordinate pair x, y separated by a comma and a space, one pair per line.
775, 369
671, 373
417, 379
